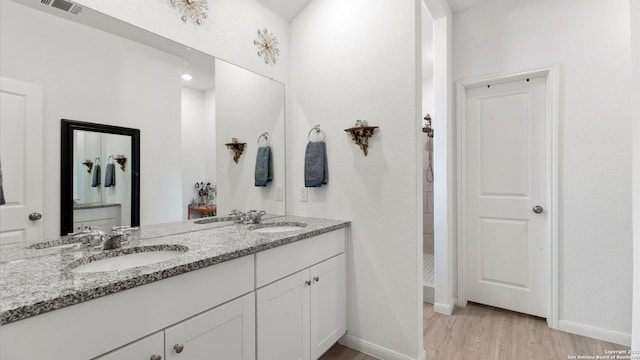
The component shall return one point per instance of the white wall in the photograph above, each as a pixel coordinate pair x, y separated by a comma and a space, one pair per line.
194, 139
361, 60
210, 146
227, 34
120, 193
635, 65
88, 75
590, 39
248, 105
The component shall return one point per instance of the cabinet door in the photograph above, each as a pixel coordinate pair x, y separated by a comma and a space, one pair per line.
226, 332
283, 318
328, 304
144, 349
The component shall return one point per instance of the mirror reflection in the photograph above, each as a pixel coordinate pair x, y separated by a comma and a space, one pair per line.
100, 167
101, 70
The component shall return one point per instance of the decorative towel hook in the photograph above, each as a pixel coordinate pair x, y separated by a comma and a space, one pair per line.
360, 134
121, 160
237, 147
89, 164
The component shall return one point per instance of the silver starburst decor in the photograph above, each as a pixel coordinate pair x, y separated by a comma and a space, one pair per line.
194, 9
267, 46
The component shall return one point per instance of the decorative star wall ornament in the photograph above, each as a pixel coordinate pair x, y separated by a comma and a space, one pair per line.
194, 9
267, 46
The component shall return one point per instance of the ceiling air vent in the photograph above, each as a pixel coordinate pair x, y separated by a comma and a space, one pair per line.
66, 6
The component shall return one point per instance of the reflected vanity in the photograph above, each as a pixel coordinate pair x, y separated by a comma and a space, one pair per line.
96, 192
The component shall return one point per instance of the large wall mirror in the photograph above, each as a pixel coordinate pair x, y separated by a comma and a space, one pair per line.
100, 176
97, 69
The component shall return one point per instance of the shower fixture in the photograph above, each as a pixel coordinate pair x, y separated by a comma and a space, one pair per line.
427, 128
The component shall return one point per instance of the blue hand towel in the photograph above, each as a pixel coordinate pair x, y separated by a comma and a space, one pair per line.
95, 181
110, 176
264, 166
315, 164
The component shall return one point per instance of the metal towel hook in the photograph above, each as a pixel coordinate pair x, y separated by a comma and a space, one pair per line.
264, 135
317, 129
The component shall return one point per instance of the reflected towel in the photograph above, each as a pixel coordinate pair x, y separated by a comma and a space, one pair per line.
316, 170
2, 200
95, 181
264, 166
110, 175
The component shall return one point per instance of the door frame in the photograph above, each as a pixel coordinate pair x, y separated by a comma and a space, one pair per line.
552, 72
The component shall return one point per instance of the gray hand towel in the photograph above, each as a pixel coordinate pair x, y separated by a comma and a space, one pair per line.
2, 200
95, 181
264, 166
110, 176
316, 170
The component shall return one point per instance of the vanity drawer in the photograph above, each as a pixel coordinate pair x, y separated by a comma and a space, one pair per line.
279, 262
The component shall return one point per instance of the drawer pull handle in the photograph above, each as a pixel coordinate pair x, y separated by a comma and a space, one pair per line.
308, 283
178, 348
316, 279
156, 357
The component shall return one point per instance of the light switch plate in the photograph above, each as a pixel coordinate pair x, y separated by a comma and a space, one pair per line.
279, 193
304, 194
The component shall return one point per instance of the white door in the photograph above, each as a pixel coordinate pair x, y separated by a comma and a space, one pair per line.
226, 332
283, 318
504, 179
21, 161
328, 304
149, 348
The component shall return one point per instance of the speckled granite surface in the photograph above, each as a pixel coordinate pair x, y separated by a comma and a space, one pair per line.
35, 281
92, 206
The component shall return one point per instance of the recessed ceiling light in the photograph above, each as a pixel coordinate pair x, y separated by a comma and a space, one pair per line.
187, 77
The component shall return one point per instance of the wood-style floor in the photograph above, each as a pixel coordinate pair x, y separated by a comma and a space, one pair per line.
479, 332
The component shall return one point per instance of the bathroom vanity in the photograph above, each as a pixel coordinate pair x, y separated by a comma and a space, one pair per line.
269, 291
104, 216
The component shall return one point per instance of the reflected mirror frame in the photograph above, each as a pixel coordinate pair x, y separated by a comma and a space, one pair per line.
66, 168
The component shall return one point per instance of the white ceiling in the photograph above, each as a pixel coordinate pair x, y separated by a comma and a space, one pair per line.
288, 9
461, 5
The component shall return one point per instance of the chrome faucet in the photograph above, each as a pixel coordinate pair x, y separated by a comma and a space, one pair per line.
94, 237
255, 216
250, 217
119, 235
89, 237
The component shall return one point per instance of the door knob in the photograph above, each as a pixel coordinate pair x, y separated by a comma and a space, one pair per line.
178, 348
538, 209
156, 357
35, 216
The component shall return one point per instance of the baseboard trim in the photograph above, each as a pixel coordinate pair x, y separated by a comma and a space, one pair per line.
441, 308
374, 350
423, 356
428, 294
595, 332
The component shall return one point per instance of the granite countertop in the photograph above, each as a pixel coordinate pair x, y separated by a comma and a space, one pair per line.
35, 281
92, 206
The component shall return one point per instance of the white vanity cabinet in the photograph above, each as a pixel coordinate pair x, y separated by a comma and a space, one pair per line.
303, 314
225, 332
149, 348
283, 303
104, 217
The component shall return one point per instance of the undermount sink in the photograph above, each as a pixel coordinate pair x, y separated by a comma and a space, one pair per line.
270, 228
128, 258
